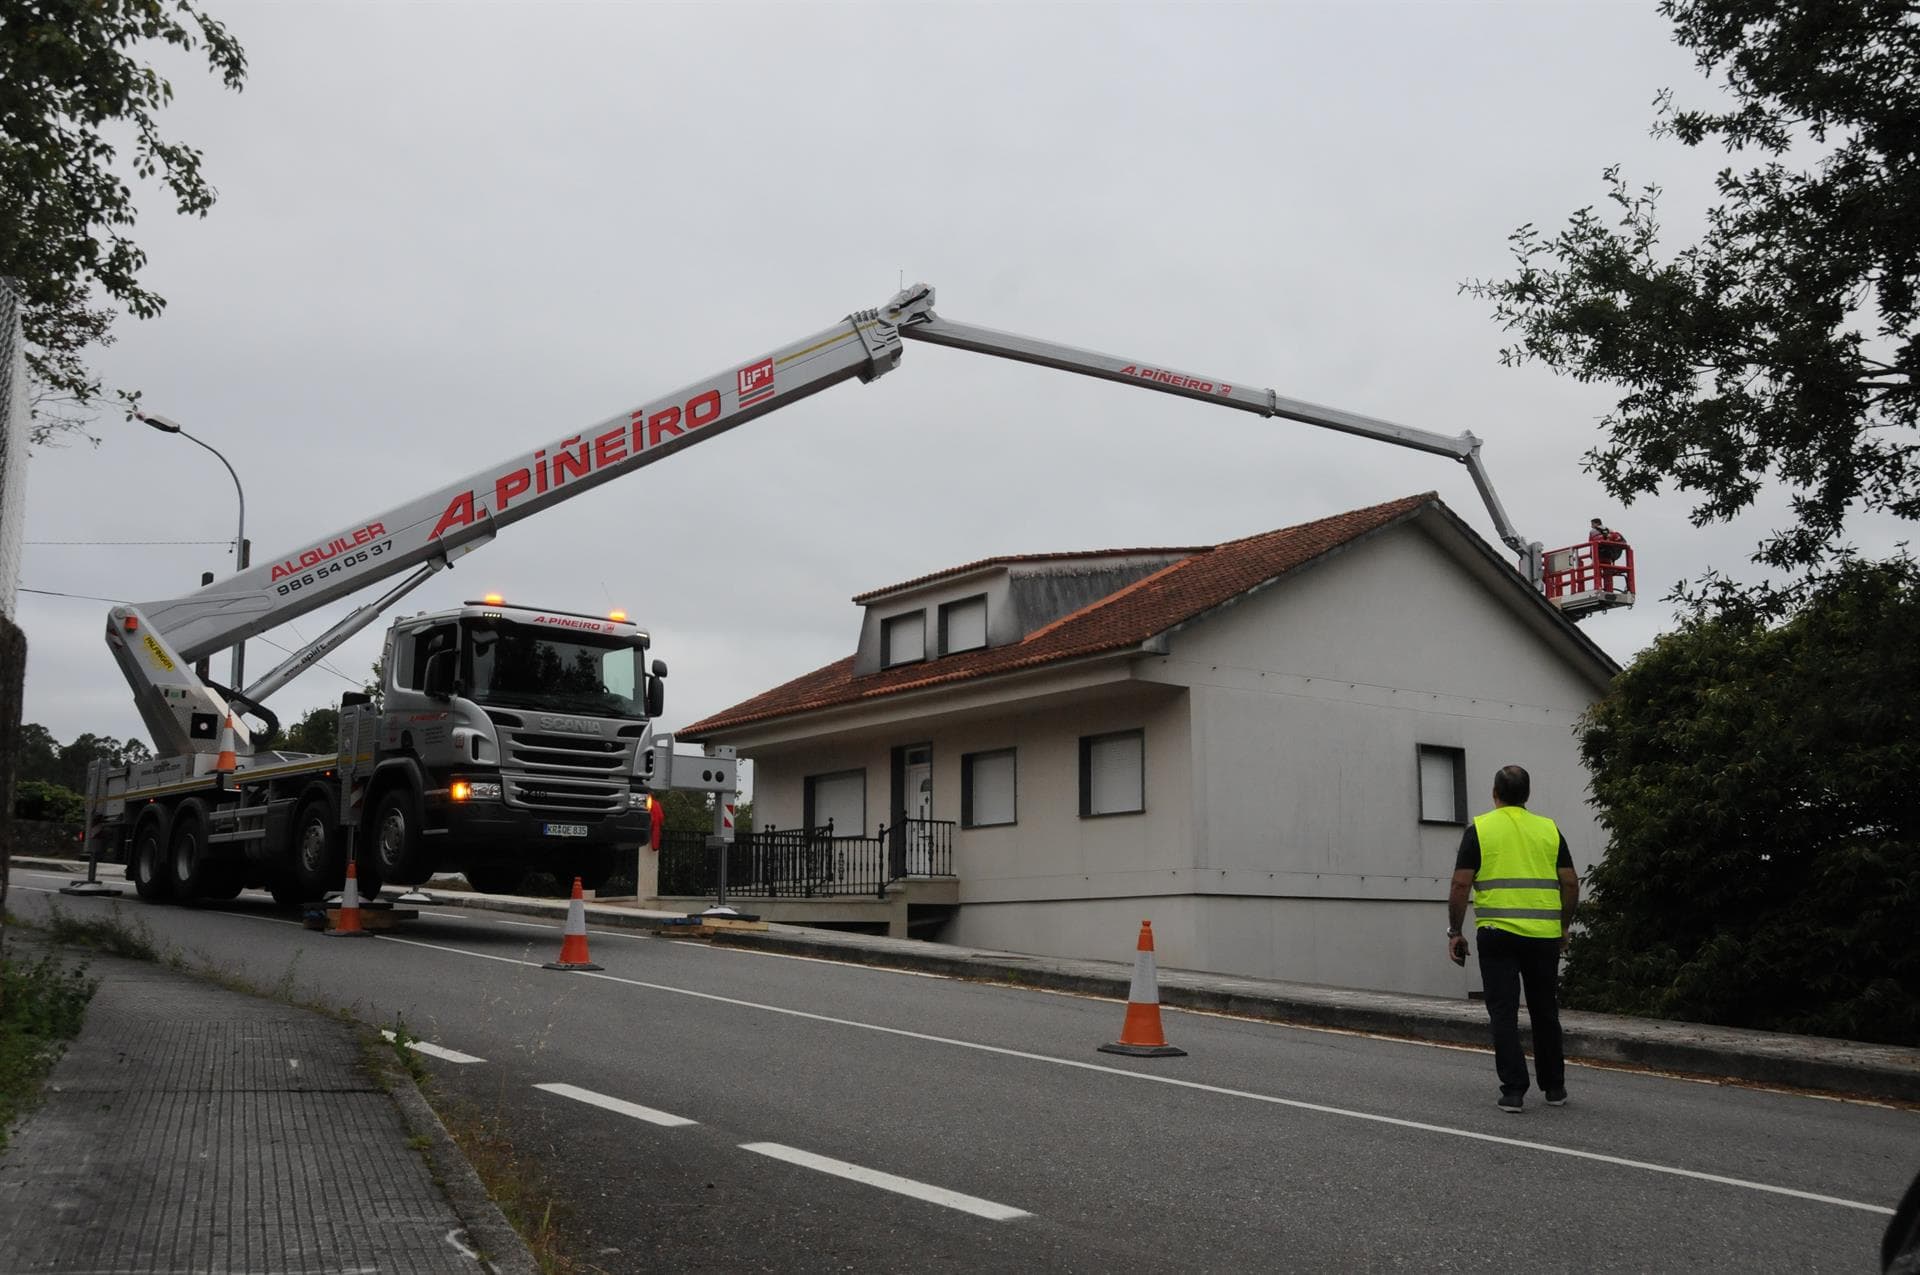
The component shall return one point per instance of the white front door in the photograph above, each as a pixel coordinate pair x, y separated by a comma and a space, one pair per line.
919, 805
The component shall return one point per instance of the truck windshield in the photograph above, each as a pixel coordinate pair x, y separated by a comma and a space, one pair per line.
519, 666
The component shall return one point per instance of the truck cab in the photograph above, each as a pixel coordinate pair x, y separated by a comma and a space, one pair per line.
506, 727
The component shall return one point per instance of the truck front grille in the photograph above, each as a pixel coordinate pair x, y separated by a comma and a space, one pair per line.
566, 774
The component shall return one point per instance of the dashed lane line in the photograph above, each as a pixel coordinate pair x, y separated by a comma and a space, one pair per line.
432, 1050
887, 1182
665, 1119
1471, 1135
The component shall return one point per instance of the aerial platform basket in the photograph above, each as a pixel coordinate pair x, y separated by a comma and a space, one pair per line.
1592, 576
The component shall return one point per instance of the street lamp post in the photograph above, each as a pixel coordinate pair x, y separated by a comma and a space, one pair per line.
240, 554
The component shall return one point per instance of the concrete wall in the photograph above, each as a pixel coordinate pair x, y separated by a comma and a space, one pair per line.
1316, 693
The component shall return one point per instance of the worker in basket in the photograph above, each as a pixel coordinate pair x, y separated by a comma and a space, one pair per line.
1609, 546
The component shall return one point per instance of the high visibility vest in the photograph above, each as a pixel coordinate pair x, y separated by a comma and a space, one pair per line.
1518, 885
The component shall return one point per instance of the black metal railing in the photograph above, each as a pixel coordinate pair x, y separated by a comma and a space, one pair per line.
920, 848
806, 863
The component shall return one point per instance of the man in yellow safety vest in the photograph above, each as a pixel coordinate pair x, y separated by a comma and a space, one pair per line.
1517, 867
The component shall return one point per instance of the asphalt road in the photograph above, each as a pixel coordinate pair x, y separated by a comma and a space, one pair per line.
715, 1109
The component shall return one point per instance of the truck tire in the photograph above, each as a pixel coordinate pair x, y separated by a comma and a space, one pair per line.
147, 866
396, 847
319, 858
494, 878
190, 869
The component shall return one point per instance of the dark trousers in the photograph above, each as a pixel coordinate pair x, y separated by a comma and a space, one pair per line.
1506, 962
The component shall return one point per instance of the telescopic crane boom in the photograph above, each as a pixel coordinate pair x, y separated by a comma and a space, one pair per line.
156, 642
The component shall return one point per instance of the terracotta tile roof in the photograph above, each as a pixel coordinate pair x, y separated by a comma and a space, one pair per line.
1205, 579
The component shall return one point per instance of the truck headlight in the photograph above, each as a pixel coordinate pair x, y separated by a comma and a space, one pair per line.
476, 790
638, 801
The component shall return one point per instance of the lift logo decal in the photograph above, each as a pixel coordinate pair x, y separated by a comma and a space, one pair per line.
1160, 376
756, 382
159, 655
580, 456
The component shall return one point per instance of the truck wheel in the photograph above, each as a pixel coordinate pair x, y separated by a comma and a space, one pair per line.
319, 860
398, 848
367, 877
494, 878
188, 865
148, 866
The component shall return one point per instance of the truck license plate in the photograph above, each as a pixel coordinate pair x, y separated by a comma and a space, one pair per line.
566, 830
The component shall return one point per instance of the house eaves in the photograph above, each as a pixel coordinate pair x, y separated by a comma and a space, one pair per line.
933, 699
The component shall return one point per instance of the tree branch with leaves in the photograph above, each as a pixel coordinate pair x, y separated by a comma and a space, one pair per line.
71, 87
1781, 346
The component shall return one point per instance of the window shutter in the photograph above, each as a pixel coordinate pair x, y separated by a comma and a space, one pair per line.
1442, 785
903, 639
963, 625
991, 788
1114, 775
843, 799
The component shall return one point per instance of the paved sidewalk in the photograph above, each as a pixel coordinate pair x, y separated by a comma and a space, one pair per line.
189, 1128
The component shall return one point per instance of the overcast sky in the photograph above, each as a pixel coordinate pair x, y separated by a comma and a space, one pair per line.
447, 234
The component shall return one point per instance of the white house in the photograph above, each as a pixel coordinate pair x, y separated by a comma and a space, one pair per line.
1268, 747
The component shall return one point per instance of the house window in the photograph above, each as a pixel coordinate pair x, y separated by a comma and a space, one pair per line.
840, 797
903, 639
987, 789
1443, 784
963, 625
1112, 774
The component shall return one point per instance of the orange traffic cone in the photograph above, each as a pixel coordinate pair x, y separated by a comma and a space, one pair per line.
226, 763
573, 944
1140, 1035
348, 922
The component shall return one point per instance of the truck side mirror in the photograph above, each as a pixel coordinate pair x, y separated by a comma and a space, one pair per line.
438, 681
659, 668
656, 694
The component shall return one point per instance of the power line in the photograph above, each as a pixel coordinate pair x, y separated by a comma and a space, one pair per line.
285, 650
85, 597
127, 542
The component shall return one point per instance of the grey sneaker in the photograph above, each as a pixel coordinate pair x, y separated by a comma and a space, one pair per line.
1510, 1101
1556, 1097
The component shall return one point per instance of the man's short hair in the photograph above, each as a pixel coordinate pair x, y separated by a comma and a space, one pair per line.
1512, 785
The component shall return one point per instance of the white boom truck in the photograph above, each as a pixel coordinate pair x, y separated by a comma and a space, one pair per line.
503, 738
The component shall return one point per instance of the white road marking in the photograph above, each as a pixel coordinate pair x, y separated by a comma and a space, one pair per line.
665, 1119
436, 1051
1297, 1104
888, 1182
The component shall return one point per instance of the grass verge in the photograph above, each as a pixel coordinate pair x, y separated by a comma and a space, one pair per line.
42, 1002
111, 934
533, 1207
